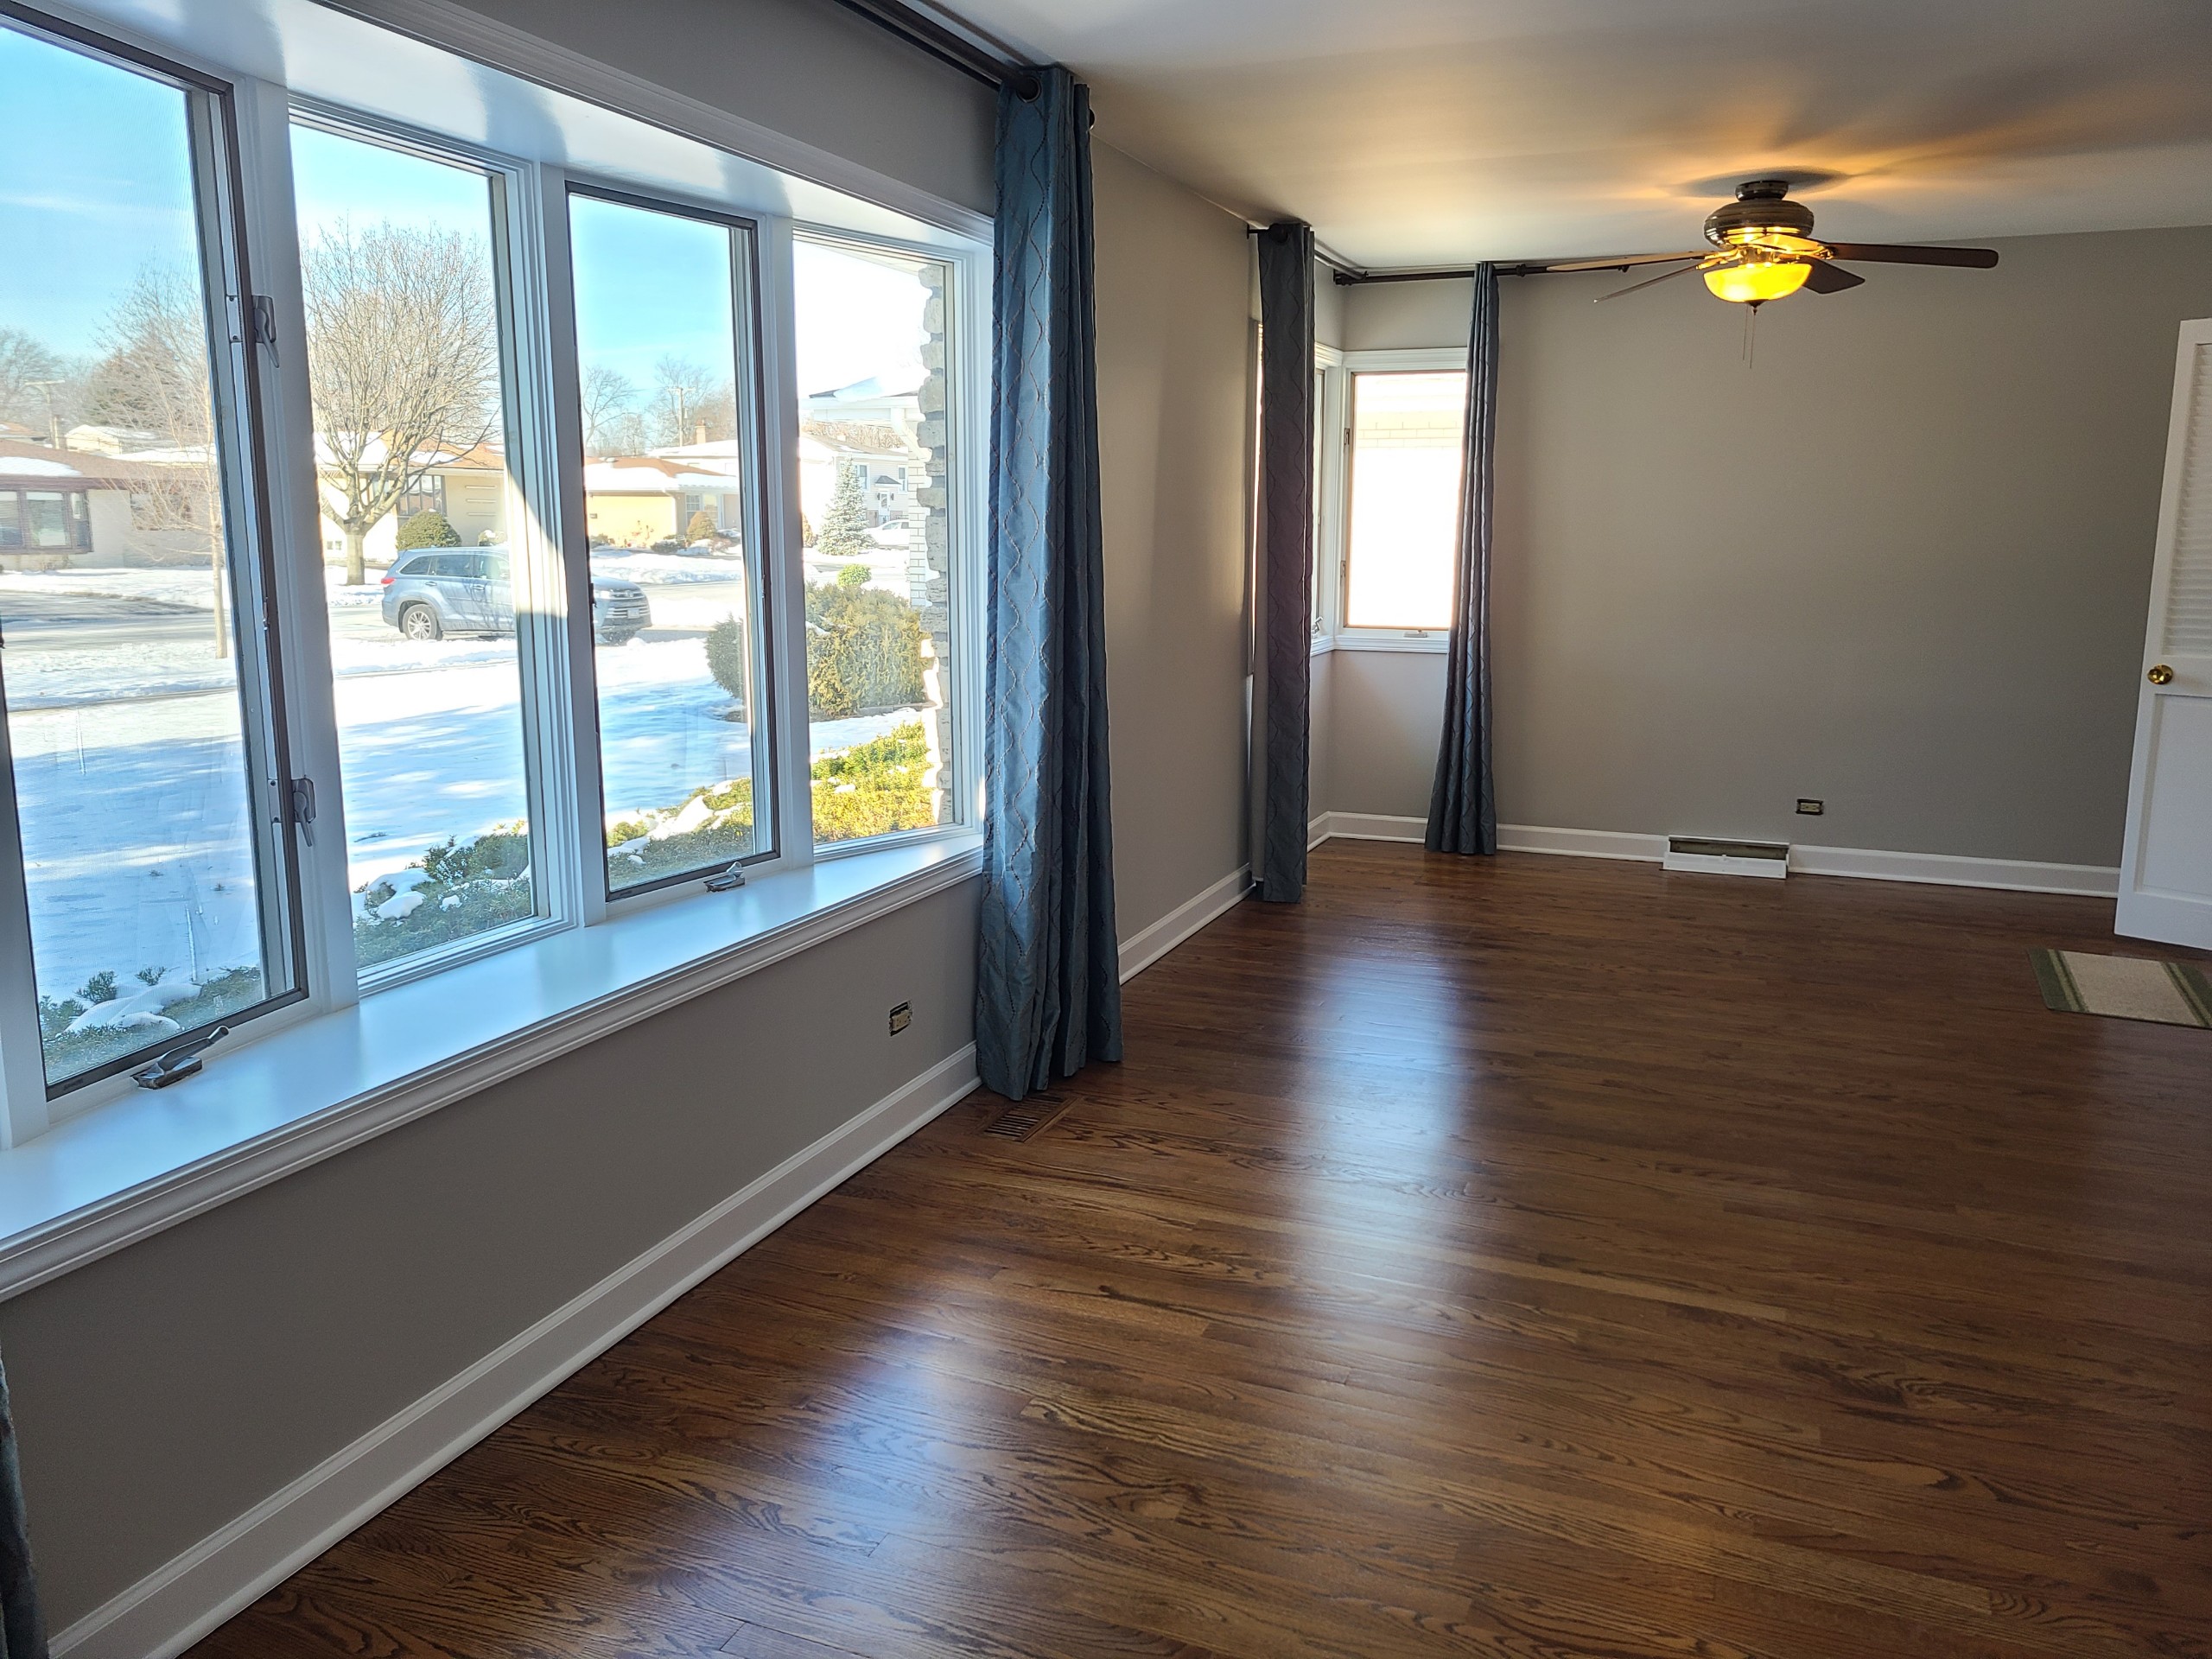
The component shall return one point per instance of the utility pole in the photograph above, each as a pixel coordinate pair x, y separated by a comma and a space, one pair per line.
53, 416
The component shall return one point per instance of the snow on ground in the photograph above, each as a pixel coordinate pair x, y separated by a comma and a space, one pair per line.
130, 764
137, 816
187, 587
623, 564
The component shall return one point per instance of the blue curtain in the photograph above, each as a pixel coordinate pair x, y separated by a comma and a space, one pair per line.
1048, 995
1286, 554
23, 1634
1462, 805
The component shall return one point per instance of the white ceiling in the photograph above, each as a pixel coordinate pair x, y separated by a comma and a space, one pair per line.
1423, 132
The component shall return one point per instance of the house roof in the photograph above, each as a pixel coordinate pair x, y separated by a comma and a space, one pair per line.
656, 475
41, 467
858, 438
483, 457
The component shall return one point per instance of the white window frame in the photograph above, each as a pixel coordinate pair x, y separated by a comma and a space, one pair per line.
535, 540
220, 113
559, 690
1338, 457
762, 418
967, 515
1330, 439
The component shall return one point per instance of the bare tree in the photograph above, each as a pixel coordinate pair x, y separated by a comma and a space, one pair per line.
152, 377
403, 354
687, 396
609, 397
39, 387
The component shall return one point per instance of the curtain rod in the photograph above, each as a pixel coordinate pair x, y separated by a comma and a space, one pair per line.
948, 46
1354, 278
1351, 276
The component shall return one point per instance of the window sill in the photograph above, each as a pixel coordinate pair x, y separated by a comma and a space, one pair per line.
1438, 640
97, 1182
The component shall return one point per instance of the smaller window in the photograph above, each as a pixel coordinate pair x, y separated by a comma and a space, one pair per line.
1407, 444
877, 436
412, 365
428, 495
667, 356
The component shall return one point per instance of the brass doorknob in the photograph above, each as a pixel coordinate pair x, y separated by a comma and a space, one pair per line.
2160, 675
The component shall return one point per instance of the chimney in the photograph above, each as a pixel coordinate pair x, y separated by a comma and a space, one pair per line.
699, 433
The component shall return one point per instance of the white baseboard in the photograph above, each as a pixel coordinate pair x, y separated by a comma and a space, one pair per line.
1373, 826
1940, 869
1186, 919
1316, 830
178, 1602
1580, 843
1949, 870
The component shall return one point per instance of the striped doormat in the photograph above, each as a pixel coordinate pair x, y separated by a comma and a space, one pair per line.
2124, 988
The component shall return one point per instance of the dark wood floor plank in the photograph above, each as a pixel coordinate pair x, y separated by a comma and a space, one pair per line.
1526, 1257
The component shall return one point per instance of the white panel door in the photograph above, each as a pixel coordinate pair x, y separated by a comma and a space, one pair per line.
2166, 872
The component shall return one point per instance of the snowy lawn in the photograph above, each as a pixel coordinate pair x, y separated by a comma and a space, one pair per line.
136, 814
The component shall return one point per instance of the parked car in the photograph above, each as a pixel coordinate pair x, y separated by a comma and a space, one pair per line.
429, 595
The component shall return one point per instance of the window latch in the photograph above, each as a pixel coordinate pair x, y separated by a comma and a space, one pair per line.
265, 324
300, 802
178, 1063
731, 878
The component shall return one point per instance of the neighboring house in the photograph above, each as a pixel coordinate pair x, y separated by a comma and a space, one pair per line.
469, 487
64, 506
875, 430
638, 501
109, 439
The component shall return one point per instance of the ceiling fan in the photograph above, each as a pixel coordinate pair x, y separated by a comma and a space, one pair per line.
1764, 248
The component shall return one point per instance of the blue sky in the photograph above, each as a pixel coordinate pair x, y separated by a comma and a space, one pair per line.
95, 184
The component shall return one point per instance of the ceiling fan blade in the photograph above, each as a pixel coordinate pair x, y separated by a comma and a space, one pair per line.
1649, 282
1825, 278
1622, 261
1903, 253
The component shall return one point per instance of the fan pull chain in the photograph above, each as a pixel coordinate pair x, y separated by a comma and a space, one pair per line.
1751, 333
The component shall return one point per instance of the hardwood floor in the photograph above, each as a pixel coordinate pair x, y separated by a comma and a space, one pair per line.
1527, 1258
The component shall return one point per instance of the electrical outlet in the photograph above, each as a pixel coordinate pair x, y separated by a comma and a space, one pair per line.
1811, 809
901, 1017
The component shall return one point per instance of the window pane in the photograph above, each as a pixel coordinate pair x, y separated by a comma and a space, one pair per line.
663, 331
399, 252
873, 347
156, 904
1407, 451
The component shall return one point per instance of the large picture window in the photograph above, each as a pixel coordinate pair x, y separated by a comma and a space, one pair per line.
142, 752
1408, 443
430, 533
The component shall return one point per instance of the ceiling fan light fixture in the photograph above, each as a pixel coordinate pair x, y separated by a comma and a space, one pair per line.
1757, 280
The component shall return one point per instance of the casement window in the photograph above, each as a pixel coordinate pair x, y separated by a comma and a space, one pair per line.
150, 893
1391, 487
686, 776
434, 527
877, 352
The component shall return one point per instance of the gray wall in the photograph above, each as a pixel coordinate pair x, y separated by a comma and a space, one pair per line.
1328, 307
1900, 561
1174, 372
805, 68
163, 1391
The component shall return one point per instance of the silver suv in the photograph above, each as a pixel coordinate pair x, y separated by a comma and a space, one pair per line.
429, 595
